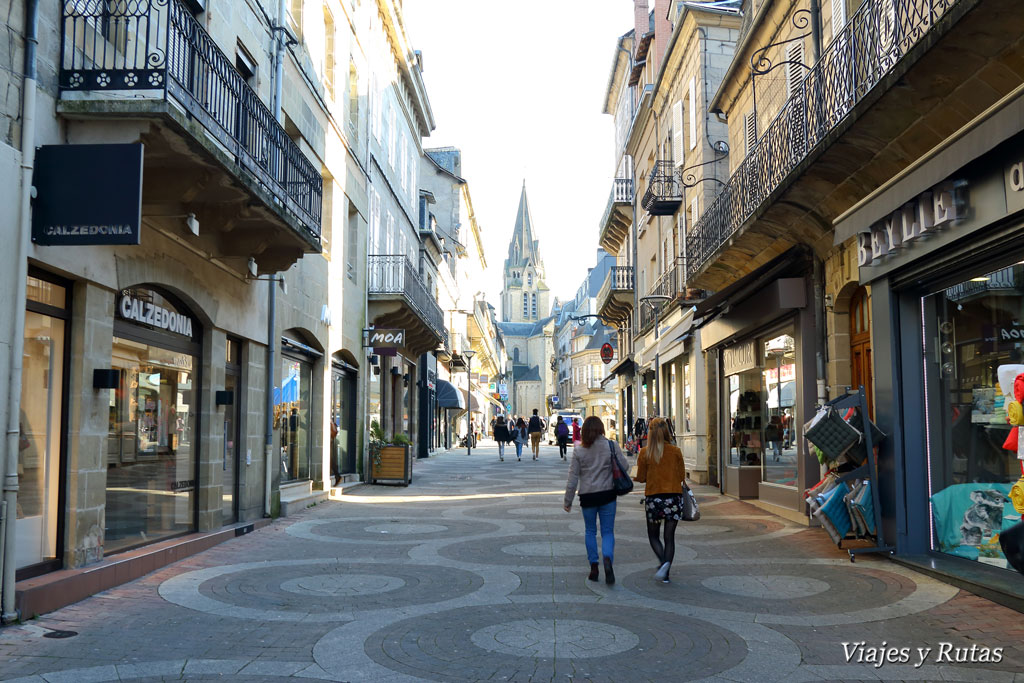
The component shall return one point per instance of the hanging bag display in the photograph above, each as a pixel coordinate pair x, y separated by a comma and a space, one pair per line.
621, 482
831, 433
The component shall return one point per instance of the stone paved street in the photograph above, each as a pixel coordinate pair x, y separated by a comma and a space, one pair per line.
476, 573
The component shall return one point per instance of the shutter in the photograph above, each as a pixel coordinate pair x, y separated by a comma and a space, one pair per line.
693, 211
794, 69
838, 17
750, 131
693, 113
677, 133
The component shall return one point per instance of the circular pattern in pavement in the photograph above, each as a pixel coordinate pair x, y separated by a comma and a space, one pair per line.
543, 549
405, 529
527, 551
555, 642
346, 585
779, 587
555, 638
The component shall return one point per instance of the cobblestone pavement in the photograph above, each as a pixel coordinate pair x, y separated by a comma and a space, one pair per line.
476, 573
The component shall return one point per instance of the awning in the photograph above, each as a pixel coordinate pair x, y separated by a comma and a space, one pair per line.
474, 402
623, 367
448, 396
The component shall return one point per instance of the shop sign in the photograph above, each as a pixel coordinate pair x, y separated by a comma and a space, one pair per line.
87, 195
607, 353
381, 338
1014, 179
739, 357
503, 389
153, 315
922, 217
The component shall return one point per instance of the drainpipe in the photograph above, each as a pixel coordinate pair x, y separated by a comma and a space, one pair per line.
9, 457
819, 326
815, 31
268, 446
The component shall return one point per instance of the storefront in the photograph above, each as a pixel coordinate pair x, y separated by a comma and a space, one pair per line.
344, 409
946, 272
759, 334
152, 446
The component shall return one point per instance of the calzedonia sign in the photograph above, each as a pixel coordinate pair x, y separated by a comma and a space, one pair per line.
924, 216
147, 313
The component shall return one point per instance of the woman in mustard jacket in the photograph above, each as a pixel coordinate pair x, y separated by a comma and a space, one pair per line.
660, 467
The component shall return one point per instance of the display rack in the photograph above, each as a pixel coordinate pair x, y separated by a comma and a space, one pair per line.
869, 470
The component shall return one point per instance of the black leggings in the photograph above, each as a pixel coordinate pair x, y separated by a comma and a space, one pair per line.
563, 444
667, 550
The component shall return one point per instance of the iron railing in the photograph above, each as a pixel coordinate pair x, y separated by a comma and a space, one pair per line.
391, 274
664, 190
156, 48
867, 48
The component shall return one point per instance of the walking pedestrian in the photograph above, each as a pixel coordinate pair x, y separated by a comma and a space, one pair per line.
501, 435
536, 429
576, 433
562, 436
591, 472
660, 467
519, 438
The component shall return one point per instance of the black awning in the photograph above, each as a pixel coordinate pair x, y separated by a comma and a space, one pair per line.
625, 366
448, 396
708, 309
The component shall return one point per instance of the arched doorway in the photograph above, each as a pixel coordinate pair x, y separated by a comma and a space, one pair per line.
860, 344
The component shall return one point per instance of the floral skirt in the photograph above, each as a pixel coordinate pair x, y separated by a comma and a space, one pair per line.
663, 506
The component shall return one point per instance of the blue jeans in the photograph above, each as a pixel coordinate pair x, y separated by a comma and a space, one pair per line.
519, 449
607, 514
501, 449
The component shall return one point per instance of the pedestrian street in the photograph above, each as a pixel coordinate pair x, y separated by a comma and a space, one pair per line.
475, 572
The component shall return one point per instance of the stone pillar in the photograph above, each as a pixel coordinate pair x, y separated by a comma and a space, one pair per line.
91, 339
211, 431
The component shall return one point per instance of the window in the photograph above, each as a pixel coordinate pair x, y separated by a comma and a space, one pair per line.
526, 305
838, 17
694, 210
292, 417
392, 135
376, 232
245, 65
352, 243
533, 306
328, 68
750, 131
795, 72
353, 99
529, 279
295, 17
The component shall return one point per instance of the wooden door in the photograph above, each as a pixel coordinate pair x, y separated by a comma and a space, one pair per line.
860, 345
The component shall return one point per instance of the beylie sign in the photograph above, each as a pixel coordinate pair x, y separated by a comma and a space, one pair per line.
923, 216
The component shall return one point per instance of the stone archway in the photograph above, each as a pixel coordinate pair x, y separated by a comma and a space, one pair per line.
850, 359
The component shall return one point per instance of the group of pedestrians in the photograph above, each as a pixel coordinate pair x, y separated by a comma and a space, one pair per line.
659, 467
519, 432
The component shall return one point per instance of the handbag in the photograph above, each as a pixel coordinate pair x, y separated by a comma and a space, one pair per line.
621, 482
690, 512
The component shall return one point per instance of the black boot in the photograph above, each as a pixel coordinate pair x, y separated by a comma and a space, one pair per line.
609, 575
593, 571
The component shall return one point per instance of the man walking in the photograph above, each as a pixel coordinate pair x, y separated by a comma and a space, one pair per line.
536, 428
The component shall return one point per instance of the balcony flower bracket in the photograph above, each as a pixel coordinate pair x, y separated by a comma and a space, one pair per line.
664, 191
760, 64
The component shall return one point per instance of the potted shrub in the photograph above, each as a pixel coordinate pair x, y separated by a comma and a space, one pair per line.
389, 458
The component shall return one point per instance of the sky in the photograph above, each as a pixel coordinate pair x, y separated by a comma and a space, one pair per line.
519, 87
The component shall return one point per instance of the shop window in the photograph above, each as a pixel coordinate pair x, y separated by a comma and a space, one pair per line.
292, 417
974, 354
40, 424
780, 408
151, 454
687, 403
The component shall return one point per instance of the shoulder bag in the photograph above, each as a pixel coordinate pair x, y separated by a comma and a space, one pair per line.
690, 512
621, 482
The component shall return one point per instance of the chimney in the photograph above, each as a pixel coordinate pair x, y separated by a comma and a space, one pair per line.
640, 19
662, 31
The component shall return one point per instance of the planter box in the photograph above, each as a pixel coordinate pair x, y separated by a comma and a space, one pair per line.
395, 466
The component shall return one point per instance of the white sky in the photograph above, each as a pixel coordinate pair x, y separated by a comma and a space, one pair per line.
518, 87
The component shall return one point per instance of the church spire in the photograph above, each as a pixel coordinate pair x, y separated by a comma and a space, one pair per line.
523, 247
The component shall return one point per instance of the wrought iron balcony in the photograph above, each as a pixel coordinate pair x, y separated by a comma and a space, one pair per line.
131, 53
390, 277
615, 298
618, 216
664, 190
671, 284
878, 35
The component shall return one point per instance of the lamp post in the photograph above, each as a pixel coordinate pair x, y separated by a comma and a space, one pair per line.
469, 353
659, 298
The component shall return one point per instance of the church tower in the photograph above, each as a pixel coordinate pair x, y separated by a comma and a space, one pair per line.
524, 297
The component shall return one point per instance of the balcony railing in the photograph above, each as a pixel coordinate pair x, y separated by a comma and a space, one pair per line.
622, 191
155, 48
393, 274
872, 42
664, 190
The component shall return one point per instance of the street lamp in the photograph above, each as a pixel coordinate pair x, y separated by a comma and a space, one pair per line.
659, 299
469, 353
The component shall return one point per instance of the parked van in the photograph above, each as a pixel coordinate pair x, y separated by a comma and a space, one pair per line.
567, 416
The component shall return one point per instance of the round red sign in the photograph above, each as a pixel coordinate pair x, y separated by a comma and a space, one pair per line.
607, 353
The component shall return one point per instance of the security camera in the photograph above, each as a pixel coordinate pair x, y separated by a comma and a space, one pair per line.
253, 268
721, 146
193, 223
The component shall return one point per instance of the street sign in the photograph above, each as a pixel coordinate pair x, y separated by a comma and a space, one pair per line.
607, 353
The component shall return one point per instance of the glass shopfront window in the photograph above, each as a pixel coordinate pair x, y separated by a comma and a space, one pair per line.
39, 437
292, 418
745, 403
974, 368
780, 410
151, 454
